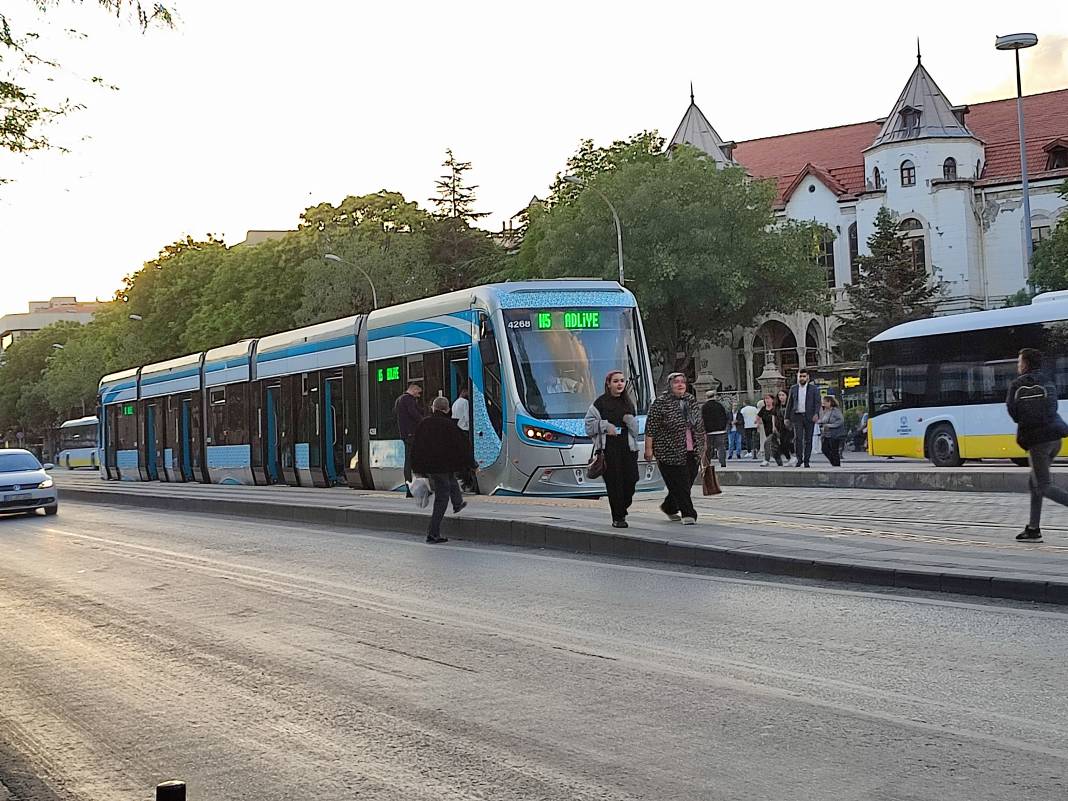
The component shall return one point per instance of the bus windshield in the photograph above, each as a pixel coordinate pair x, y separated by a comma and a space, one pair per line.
79, 436
561, 357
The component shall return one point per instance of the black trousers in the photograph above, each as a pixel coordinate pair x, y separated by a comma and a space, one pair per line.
679, 480
445, 489
832, 449
802, 426
620, 476
407, 458
717, 443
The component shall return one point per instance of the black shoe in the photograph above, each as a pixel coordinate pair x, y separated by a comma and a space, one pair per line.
673, 516
1029, 535
436, 540
459, 508
620, 524
408, 494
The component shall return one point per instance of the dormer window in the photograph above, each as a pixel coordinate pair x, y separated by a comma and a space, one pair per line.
910, 121
908, 173
949, 169
877, 178
1057, 154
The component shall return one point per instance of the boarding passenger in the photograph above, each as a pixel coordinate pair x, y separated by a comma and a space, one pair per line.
440, 450
1032, 403
612, 424
675, 437
409, 412
832, 431
714, 416
461, 413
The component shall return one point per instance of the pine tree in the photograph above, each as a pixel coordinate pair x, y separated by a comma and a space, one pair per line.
891, 289
455, 199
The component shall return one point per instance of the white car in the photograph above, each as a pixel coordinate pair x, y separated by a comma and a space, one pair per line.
24, 484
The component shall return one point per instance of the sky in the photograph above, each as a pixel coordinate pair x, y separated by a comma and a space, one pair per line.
248, 112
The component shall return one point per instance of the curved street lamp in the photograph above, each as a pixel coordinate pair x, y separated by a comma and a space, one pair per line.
339, 260
1018, 42
574, 179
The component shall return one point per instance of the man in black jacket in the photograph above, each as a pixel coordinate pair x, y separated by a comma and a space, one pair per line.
1032, 404
803, 407
715, 419
440, 450
409, 413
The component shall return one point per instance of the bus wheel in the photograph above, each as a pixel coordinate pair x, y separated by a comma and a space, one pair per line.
1021, 461
942, 446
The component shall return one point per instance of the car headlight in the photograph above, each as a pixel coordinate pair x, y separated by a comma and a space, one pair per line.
46, 484
536, 434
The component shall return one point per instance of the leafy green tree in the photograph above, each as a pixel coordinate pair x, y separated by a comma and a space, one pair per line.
590, 162
461, 256
23, 113
23, 404
1049, 265
456, 199
891, 289
704, 251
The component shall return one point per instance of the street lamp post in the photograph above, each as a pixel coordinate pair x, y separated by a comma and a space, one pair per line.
1017, 42
574, 179
339, 260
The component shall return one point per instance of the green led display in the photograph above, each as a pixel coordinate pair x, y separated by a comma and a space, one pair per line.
389, 374
128, 410
582, 319
545, 320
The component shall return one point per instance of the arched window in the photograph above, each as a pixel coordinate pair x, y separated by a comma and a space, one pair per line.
912, 230
908, 173
877, 178
825, 257
854, 254
949, 169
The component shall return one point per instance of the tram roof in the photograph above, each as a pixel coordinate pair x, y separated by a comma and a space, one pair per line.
171, 364
1044, 308
113, 378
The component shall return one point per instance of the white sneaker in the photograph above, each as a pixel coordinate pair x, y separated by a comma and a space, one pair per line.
688, 521
764, 463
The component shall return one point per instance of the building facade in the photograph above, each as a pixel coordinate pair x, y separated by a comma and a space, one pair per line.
43, 313
951, 174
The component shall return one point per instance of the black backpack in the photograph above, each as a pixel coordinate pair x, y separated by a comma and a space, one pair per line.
1032, 406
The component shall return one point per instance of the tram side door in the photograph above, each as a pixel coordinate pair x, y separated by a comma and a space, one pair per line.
271, 457
333, 430
185, 439
152, 441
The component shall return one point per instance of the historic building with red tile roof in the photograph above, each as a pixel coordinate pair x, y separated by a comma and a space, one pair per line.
951, 174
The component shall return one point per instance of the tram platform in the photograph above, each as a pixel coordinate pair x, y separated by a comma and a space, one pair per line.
934, 541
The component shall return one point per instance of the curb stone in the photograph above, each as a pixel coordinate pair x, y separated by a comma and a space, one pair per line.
555, 536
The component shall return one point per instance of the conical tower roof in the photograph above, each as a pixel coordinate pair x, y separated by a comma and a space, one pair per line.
695, 130
922, 111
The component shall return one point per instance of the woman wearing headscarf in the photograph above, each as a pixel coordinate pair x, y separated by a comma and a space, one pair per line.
675, 437
611, 423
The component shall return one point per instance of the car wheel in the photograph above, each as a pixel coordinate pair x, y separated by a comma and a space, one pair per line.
1021, 461
942, 446
51, 510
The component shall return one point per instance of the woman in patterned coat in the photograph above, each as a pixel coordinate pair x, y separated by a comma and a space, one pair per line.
675, 437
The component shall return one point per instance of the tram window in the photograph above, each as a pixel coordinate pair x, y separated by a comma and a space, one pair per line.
385, 386
434, 377
491, 371
217, 416
236, 414
126, 427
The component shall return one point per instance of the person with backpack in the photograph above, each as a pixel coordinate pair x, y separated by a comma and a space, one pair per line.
1032, 404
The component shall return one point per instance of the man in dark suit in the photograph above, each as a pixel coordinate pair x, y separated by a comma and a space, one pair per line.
803, 406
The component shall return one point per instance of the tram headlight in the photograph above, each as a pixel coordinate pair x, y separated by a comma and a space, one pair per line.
544, 435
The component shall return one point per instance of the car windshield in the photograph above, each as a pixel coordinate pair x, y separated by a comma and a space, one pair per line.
561, 357
16, 462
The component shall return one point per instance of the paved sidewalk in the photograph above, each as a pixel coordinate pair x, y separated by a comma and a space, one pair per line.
942, 541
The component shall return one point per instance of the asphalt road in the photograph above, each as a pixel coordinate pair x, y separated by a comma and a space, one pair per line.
264, 661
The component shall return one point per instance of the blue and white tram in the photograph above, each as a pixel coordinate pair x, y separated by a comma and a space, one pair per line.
315, 406
78, 443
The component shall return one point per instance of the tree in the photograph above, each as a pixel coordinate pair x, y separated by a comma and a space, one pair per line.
1049, 265
590, 162
891, 289
23, 113
456, 200
23, 405
704, 251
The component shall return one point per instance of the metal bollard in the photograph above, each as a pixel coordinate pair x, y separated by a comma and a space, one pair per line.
170, 791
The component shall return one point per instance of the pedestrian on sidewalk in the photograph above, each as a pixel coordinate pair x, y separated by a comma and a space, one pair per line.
752, 440
786, 431
804, 405
735, 432
613, 426
1032, 404
675, 437
714, 416
768, 426
409, 412
440, 450
832, 431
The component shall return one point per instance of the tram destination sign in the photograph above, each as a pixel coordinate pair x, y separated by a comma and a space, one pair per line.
555, 320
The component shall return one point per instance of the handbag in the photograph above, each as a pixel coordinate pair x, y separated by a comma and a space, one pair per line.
597, 466
709, 481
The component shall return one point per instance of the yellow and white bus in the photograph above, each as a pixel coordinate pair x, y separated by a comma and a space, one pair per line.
937, 387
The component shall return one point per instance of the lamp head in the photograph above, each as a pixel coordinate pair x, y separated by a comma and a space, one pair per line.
574, 179
331, 257
1015, 41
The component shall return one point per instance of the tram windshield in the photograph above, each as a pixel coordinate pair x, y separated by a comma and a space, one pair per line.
561, 356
